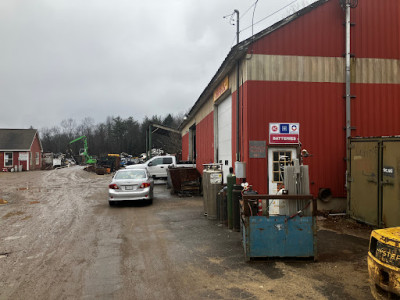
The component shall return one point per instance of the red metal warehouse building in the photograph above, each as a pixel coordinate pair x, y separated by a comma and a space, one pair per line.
294, 72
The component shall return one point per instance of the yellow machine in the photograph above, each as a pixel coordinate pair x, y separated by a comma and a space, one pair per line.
384, 263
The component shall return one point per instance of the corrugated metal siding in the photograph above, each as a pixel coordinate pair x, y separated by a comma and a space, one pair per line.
376, 33
319, 108
376, 109
298, 68
185, 147
205, 142
242, 129
318, 33
376, 30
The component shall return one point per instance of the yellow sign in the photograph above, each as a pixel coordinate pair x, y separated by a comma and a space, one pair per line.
222, 88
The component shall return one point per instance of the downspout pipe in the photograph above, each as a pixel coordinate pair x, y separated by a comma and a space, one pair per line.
237, 91
348, 74
348, 101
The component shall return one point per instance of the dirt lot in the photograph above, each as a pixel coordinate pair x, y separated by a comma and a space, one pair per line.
59, 239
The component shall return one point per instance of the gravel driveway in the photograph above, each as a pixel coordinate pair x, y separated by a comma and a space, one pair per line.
59, 239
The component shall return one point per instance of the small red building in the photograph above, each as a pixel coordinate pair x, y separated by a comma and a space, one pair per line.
299, 74
20, 149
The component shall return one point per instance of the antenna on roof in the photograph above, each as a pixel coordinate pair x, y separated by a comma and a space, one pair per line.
232, 21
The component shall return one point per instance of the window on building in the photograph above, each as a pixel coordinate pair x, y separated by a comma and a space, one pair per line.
37, 157
280, 160
8, 159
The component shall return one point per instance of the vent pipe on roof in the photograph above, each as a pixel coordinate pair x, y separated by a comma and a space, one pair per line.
237, 25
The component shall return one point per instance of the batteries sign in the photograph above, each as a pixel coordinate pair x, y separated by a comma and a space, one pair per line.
284, 133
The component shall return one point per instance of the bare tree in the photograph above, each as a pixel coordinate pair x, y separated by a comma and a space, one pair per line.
115, 135
68, 127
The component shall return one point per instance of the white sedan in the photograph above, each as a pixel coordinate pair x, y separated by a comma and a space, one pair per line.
130, 184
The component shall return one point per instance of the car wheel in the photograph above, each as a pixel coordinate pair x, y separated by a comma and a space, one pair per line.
151, 201
111, 203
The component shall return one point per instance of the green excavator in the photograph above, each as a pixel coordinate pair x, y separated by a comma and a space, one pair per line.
84, 151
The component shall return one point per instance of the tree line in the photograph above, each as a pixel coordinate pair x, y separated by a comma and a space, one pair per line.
115, 135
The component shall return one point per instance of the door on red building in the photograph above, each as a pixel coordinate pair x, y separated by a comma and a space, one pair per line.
23, 160
224, 135
278, 158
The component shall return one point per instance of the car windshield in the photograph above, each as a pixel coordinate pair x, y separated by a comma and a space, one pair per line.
131, 174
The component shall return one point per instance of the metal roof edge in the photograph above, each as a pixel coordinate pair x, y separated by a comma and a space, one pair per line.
239, 50
286, 20
234, 54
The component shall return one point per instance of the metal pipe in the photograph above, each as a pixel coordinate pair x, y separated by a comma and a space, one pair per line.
237, 114
237, 25
237, 92
348, 73
348, 100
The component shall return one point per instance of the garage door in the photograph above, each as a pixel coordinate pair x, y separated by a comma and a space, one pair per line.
224, 127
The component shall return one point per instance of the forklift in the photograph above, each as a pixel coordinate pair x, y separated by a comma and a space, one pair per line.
384, 263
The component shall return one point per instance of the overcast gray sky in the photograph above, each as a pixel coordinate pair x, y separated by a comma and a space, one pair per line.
63, 59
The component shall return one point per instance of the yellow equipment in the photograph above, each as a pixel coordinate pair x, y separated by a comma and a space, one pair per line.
384, 263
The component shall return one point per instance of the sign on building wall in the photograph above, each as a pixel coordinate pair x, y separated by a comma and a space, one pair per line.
257, 149
284, 133
222, 88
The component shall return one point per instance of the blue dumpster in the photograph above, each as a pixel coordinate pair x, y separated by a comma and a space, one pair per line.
279, 236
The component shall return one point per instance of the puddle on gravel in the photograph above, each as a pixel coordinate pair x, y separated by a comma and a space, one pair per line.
13, 213
2, 201
36, 189
15, 237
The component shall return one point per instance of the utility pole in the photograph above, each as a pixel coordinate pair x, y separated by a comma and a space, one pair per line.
150, 140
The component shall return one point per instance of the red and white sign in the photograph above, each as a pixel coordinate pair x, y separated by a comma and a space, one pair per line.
284, 133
